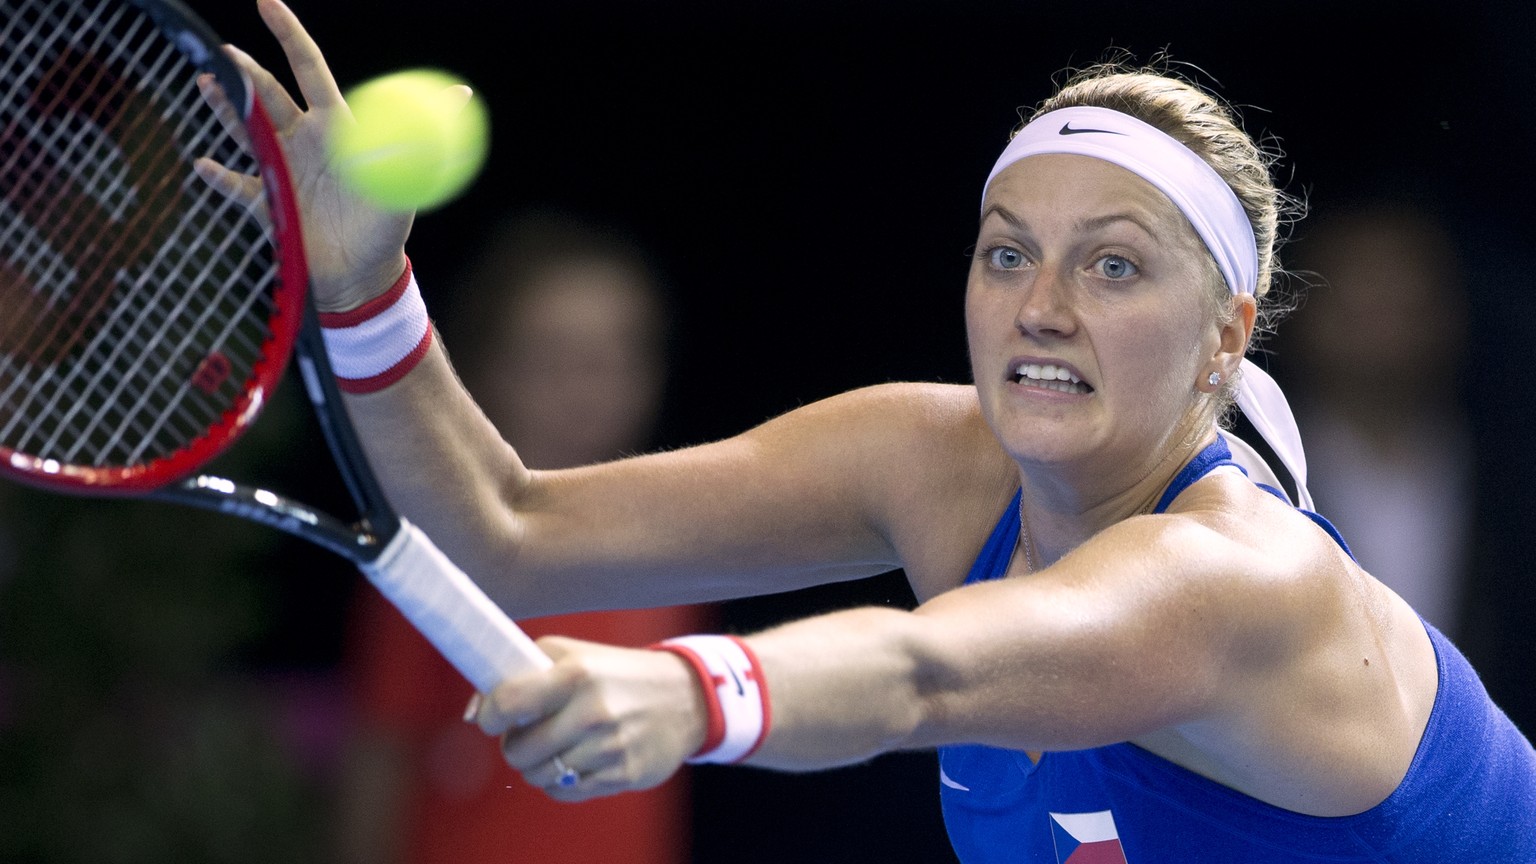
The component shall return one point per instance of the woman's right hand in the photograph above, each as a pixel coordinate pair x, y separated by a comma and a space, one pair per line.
355, 250
617, 719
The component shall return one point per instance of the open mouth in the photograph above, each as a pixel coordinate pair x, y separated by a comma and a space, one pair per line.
1050, 377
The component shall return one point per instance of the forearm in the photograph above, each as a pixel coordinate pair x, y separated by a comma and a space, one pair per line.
442, 464
751, 514
1008, 663
844, 687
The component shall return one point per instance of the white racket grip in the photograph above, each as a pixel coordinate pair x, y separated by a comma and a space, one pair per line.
451, 611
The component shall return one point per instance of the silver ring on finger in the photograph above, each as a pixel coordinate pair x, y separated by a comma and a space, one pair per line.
566, 775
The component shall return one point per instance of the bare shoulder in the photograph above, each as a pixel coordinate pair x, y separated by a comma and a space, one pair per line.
905, 428
1271, 572
929, 468
1324, 678
909, 402
1221, 581
945, 484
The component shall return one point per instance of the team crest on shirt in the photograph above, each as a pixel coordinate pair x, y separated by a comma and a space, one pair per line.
1086, 838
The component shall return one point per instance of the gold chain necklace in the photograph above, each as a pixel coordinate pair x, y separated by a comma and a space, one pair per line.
1027, 544
1024, 539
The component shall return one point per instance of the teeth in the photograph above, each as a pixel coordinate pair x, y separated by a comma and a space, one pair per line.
1046, 372
1051, 377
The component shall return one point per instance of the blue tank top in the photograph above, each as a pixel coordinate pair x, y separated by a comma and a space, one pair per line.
1469, 794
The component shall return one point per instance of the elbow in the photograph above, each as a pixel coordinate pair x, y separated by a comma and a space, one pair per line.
943, 682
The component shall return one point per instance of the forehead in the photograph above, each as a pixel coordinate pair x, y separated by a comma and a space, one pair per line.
1057, 186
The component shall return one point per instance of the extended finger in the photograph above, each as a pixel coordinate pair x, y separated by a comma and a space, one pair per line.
304, 58
243, 189
273, 95
223, 110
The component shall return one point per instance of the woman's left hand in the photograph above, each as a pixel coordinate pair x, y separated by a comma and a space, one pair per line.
619, 718
355, 250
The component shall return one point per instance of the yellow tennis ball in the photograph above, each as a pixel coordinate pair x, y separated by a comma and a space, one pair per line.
415, 140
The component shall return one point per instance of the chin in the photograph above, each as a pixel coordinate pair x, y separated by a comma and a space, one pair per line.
1043, 442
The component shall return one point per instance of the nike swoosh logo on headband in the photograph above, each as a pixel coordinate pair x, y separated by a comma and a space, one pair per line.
1066, 129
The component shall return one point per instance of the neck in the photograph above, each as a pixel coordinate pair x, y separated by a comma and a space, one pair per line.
1062, 508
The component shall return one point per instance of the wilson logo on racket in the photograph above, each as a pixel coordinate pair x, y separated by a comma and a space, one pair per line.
77, 99
211, 374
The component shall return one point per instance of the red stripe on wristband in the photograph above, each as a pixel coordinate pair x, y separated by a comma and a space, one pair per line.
381, 341
734, 689
762, 696
390, 375
353, 317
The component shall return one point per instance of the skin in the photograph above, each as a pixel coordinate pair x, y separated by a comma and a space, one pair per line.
1228, 635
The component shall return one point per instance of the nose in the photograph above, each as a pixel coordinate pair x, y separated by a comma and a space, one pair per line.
1045, 309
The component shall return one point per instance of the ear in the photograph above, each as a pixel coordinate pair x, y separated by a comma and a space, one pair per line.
1232, 343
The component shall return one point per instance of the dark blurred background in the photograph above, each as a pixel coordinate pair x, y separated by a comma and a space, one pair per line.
807, 175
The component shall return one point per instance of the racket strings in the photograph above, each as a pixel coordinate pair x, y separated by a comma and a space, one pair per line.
218, 323
75, 86
138, 300
61, 93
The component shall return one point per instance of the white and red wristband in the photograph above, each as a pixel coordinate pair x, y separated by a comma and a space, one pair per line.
376, 344
735, 695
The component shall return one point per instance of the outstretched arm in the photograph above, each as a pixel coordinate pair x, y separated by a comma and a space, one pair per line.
1080, 655
780, 507
1213, 652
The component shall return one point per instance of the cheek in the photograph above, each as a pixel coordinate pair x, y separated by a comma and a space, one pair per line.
987, 348
1154, 365
974, 333
987, 314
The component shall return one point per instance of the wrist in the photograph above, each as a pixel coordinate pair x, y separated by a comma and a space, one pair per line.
737, 715
375, 344
361, 287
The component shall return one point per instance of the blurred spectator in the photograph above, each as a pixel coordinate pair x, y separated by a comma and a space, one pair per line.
1380, 350
561, 334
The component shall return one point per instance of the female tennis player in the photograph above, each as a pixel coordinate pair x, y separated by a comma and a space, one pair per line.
1130, 646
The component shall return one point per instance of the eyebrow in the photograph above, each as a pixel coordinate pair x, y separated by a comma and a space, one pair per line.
1097, 222
1093, 223
1007, 215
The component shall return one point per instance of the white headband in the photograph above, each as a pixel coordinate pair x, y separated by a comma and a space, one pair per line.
1211, 207
1156, 157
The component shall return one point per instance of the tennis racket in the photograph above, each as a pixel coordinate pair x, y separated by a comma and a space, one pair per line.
147, 317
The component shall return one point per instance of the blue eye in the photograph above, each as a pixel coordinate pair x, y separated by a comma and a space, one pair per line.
1005, 258
1116, 267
